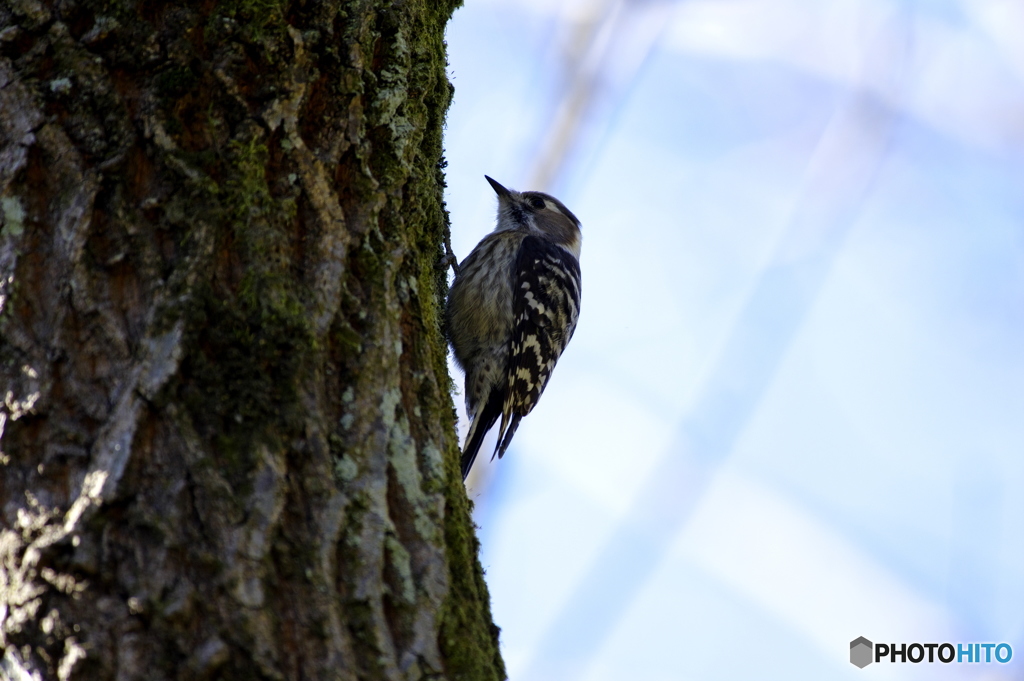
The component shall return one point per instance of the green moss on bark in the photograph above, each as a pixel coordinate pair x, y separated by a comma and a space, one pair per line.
252, 195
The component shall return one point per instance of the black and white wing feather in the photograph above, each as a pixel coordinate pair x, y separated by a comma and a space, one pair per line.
546, 306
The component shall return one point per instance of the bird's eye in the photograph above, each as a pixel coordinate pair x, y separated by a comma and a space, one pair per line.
537, 202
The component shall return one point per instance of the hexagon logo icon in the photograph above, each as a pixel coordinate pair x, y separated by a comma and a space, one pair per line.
860, 652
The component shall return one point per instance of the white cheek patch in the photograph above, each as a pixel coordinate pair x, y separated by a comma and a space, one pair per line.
576, 246
551, 206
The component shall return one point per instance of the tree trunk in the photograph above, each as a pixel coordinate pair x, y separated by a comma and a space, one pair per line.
227, 444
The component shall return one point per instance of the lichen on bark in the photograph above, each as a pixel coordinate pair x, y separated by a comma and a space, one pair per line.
226, 434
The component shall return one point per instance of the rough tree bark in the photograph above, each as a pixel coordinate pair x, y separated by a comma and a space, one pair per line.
227, 444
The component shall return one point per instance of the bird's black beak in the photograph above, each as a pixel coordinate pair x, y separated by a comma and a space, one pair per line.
498, 189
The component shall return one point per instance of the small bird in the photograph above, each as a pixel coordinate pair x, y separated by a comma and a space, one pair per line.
511, 311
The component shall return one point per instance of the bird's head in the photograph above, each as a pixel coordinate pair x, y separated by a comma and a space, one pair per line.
537, 213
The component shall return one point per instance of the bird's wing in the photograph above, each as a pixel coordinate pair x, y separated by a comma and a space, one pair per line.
545, 307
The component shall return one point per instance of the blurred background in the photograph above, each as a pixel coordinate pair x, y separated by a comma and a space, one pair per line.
793, 410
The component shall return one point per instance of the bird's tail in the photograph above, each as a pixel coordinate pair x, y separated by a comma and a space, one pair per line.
482, 423
505, 436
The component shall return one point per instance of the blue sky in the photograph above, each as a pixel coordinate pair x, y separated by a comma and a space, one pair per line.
793, 410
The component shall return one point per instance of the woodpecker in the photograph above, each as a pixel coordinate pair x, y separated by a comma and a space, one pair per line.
511, 311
